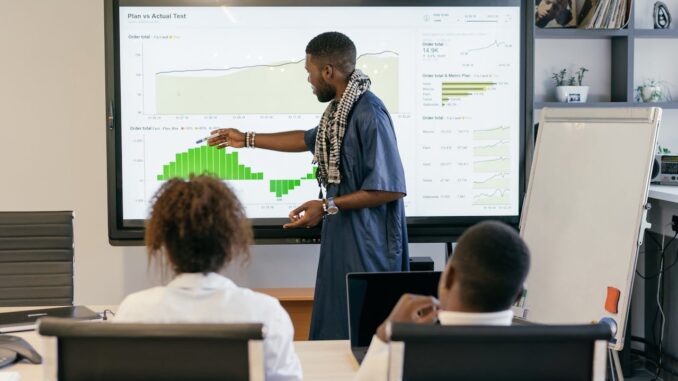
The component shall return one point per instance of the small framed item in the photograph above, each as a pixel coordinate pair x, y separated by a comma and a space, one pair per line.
572, 94
574, 98
665, 169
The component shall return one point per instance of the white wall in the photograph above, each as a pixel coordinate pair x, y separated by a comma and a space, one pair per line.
53, 143
52, 139
553, 55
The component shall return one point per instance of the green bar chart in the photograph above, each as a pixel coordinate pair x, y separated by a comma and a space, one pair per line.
211, 161
208, 160
283, 187
463, 89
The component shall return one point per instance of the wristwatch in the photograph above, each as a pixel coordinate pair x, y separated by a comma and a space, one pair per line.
330, 207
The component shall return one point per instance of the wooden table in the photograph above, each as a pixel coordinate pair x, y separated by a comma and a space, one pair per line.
298, 302
320, 360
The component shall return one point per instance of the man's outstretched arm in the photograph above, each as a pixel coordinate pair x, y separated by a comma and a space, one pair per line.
289, 141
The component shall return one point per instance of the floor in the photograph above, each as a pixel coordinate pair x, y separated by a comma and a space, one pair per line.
641, 375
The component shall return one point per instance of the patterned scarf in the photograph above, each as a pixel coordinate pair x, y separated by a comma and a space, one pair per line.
332, 128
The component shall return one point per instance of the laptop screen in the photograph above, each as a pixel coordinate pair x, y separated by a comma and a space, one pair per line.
372, 296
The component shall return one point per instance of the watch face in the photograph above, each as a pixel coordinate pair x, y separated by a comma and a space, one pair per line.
332, 210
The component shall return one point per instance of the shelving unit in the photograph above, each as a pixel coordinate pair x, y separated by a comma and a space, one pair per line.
578, 33
664, 105
622, 44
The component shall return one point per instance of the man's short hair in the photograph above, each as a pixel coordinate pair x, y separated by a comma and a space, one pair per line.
335, 49
491, 262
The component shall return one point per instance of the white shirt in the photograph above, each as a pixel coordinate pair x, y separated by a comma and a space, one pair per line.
375, 363
213, 298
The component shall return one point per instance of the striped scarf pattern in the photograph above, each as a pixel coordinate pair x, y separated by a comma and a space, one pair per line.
332, 128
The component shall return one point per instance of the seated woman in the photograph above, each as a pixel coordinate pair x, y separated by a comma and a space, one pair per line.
197, 227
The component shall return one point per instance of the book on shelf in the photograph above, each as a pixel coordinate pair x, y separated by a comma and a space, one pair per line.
603, 14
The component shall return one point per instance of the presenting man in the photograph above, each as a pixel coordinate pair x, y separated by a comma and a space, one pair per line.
359, 167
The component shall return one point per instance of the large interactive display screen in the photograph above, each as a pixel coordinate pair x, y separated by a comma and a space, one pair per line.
451, 74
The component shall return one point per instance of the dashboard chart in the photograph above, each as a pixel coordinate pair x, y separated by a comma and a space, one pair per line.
449, 76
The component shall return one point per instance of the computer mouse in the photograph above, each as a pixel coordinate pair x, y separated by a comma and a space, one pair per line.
6, 357
20, 347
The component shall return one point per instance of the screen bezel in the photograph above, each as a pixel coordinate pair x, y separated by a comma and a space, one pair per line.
420, 229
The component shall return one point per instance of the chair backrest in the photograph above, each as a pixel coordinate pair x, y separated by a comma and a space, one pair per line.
36, 258
103, 351
528, 352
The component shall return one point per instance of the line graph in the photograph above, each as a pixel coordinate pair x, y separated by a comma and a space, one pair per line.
499, 180
501, 132
501, 148
502, 164
263, 65
275, 88
498, 197
495, 44
229, 68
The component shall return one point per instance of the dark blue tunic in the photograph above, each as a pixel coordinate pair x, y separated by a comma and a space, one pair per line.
360, 240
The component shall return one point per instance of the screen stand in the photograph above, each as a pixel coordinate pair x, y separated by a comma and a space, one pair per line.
449, 248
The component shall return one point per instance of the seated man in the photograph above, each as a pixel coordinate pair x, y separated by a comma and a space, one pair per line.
480, 283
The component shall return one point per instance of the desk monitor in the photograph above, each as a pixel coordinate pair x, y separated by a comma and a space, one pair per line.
372, 296
488, 353
454, 75
155, 352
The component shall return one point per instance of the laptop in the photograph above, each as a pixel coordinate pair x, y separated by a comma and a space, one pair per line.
26, 320
372, 296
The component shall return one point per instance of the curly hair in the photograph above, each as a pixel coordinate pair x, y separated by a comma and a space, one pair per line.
200, 224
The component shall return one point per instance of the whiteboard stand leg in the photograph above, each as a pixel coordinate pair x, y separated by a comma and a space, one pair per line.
616, 373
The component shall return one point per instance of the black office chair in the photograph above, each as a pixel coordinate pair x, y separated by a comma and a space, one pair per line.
36, 258
102, 351
528, 352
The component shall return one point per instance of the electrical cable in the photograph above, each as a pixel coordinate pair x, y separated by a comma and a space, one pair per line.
104, 314
653, 346
659, 311
660, 303
661, 252
645, 357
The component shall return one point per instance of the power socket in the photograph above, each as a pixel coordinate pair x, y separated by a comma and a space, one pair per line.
674, 223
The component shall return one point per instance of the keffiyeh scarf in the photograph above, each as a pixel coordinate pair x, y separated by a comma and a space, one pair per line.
332, 128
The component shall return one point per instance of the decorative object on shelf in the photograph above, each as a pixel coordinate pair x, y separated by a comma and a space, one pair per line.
571, 90
555, 13
653, 91
661, 15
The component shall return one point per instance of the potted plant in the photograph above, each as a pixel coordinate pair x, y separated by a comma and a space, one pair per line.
653, 91
571, 90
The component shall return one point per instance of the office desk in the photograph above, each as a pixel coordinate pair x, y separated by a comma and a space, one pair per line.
298, 302
320, 360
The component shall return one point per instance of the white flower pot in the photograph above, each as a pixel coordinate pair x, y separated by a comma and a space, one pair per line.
572, 94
